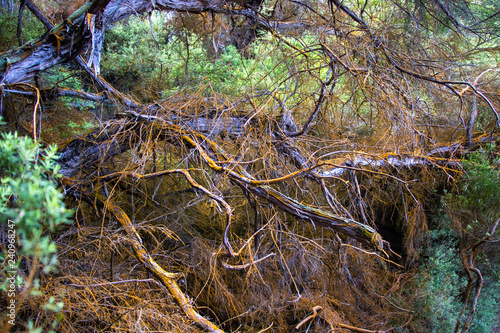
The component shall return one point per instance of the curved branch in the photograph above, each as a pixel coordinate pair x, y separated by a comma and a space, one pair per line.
168, 279
346, 226
313, 115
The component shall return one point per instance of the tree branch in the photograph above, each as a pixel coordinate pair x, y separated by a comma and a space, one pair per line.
167, 279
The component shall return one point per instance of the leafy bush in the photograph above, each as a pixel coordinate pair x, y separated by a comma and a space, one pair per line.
440, 284
32, 207
470, 214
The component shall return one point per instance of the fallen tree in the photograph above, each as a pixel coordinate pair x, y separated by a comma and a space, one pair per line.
269, 156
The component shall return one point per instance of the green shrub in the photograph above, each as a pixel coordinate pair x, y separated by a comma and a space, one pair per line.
440, 284
30, 210
466, 218
181, 61
32, 28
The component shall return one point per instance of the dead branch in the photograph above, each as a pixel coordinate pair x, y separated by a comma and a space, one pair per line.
96, 148
168, 279
60, 44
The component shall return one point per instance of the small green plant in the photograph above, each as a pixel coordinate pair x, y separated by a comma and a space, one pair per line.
31, 208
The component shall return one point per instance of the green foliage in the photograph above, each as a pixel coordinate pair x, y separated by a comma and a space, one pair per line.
480, 190
32, 28
181, 61
31, 204
29, 195
442, 279
8, 26
440, 284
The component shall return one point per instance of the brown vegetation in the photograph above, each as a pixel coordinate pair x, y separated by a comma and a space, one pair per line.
254, 213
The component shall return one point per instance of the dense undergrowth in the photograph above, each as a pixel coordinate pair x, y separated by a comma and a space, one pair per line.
436, 216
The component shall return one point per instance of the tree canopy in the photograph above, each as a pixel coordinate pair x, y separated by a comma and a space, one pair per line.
263, 165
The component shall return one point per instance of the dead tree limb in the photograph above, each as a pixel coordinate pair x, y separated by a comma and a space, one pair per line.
167, 279
96, 149
115, 139
62, 43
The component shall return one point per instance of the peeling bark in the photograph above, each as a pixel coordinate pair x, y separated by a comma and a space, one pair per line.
60, 44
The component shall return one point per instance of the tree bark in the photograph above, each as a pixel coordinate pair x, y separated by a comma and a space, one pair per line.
61, 44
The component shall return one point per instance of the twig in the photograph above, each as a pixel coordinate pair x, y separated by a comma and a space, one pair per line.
248, 264
312, 316
115, 282
372, 253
